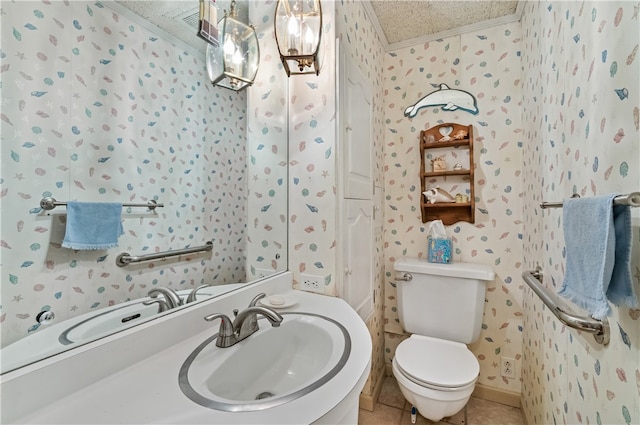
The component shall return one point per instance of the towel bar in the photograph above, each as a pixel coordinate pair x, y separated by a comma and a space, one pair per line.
599, 328
124, 258
632, 199
50, 203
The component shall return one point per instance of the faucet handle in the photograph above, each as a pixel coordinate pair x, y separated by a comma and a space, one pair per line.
251, 325
226, 327
193, 295
170, 296
256, 299
226, 335
162, 306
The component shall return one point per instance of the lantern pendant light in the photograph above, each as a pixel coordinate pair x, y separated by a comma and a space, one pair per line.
233, 64
298, 27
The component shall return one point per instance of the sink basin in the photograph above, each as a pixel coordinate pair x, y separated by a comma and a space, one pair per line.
120, 317
271, 367
123, 316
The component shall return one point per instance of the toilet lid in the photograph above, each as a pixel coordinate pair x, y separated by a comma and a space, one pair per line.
437, 362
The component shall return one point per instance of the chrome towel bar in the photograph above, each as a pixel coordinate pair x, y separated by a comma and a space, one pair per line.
125, 258
632, 199
599, 328
50, 203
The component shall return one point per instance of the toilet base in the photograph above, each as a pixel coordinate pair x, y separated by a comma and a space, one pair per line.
432, 404
434, 410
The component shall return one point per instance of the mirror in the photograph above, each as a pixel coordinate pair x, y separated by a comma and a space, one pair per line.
100, 106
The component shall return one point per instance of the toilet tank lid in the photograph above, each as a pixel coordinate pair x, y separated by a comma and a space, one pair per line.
455, 269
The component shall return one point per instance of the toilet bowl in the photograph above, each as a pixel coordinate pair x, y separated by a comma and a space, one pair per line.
436, 376
441, 306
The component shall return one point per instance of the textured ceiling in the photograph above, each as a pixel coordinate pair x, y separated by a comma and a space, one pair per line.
399, 22
402, 20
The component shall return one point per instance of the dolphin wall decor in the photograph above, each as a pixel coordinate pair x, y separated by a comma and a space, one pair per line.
448, 99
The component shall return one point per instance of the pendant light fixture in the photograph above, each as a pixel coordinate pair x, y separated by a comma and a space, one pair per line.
233, 64
298, 26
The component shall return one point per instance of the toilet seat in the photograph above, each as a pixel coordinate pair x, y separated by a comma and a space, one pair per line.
437, 363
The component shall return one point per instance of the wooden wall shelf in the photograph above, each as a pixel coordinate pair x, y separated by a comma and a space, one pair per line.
448, 212
447, 173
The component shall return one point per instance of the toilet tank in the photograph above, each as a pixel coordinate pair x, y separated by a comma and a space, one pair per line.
442, 300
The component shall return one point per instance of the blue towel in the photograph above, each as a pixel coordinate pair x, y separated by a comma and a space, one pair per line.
92, 225
598, 245
620, 291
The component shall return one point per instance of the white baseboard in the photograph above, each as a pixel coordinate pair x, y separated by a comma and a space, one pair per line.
368, 401
510, 398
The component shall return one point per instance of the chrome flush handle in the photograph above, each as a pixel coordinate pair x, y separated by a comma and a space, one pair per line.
407, 277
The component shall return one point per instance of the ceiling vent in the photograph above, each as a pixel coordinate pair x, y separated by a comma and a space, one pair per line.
191, 18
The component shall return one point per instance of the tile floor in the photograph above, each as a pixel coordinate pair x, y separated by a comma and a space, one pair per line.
393, 409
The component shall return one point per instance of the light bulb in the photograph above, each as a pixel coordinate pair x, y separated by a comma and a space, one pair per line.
237, 58
229, 46
309, 40
293, 25
293, 30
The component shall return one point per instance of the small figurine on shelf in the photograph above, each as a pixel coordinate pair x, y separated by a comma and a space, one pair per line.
461, 199
439, 164
437, 195
461, 134
445, 132
458, 167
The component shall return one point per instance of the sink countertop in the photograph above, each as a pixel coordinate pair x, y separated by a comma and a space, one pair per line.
148, 391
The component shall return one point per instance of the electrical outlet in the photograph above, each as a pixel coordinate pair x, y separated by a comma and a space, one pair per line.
508, 367
313, 283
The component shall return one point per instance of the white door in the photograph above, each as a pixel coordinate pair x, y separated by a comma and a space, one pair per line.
358, 270
356, 122
355, 182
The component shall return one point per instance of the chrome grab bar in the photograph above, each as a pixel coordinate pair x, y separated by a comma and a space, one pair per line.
50, 203
599, 328
125, 258
632, 199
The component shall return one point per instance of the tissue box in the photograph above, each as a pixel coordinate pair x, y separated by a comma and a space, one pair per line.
438, 250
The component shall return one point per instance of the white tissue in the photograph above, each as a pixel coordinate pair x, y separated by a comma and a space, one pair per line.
436, 230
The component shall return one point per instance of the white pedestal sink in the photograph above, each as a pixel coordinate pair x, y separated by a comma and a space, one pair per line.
271, 367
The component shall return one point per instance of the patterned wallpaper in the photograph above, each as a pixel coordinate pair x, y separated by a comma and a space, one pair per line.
97, 108
267, 151
312, 165
174, 138
581, 109
488, 65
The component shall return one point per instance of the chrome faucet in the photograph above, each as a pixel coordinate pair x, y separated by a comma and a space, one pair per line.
193, 294
245, 323
170, 297
162, 305
250, 324
226, 335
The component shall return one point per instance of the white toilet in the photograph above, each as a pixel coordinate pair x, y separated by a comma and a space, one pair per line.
441, 305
